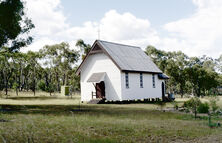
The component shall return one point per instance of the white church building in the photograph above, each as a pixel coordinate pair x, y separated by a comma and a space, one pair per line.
119, 72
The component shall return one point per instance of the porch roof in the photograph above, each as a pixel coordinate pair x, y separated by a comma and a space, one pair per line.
162, 76
97, 77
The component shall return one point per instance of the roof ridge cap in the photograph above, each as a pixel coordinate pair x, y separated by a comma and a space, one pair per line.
119, 44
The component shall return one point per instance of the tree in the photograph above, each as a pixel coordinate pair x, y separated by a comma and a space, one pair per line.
14, 25
75, 82
59, 59
178, 76
84, 48
192, 105
219, 64
208, 63
201, 79
7, 68
186, 72
172, 63
18, 63
159, 57
33, 65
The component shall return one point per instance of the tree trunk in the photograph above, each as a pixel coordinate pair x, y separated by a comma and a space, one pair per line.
6, 83
63, 80
66, 78
17, 85
21, 77
6, 88
16, 91
46, 80
195, 112
50, 85
182, 93
58, 82
34, 80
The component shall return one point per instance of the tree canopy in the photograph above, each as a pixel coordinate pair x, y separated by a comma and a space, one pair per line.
192, 75
14, 25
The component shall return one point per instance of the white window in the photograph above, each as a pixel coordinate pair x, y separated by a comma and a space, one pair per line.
153, 79
141, 80
127, 79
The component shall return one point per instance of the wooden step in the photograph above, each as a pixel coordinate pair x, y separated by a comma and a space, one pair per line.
96, 101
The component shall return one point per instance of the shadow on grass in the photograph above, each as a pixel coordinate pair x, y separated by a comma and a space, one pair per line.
39, 97
33, 98
91, 110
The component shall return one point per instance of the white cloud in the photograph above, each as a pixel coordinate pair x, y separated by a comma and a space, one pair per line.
47, 16
200, 33
124, 28
38, 44
49, 21
195, 35
51, 26
127, 28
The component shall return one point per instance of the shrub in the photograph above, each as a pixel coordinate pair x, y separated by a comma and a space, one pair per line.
161, 104
203, 108
175, 105
192, 105
51, 88
41, 85
15, 85
213, 104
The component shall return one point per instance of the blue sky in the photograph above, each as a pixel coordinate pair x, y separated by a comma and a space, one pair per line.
190, 26
158, 12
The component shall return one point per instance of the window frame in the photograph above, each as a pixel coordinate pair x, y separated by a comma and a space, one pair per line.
141, 80
153, 81
127, 80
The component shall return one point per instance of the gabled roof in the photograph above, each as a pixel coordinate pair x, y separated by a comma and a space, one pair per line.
127, 58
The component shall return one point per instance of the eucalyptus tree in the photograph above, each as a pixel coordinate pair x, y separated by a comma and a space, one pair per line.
159, 57
172, 63
208, 63
84, 48
176, 63
60, 60
201, 79
14, 25
33, 66
7, 67
67, 61
75, 82
18, 60
219, 64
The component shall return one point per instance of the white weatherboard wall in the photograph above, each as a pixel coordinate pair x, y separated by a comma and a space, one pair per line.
135, 92
100, 63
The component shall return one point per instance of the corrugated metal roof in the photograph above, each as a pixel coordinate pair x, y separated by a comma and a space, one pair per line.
97, 77
129, 58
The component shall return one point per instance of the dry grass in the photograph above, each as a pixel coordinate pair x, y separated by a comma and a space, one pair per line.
55, 119
204, 99
41, 98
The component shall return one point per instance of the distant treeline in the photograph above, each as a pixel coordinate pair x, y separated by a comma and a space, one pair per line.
55, 65
46, 70
198, 76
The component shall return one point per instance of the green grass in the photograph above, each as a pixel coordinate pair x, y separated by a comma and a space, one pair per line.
61, 122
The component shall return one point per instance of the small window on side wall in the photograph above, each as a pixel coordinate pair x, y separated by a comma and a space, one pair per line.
127, 79
153, 79
141, 80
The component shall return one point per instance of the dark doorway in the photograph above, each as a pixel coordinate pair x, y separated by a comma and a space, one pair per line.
100, 90
163, 91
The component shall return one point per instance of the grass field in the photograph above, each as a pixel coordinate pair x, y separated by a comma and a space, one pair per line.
52, 119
